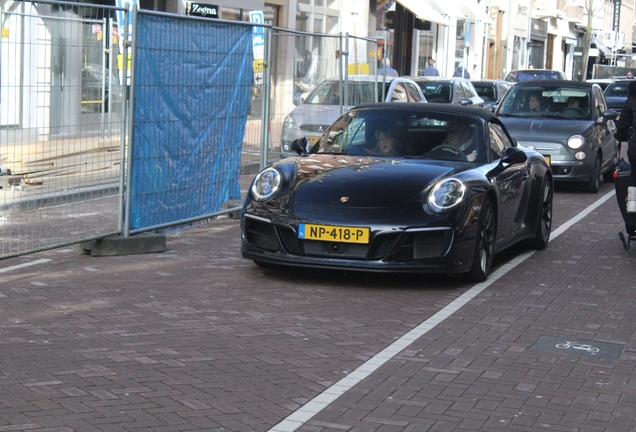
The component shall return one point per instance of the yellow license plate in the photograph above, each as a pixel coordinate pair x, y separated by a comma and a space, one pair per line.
313, 139
547, 158
333, 233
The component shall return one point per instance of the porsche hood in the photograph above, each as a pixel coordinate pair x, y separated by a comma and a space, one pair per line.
362, 182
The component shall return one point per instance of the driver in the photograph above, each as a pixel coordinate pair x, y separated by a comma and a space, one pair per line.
458, 135
574, 102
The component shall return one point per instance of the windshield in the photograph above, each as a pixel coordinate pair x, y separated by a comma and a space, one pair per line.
546, 101
360, 92
404, 133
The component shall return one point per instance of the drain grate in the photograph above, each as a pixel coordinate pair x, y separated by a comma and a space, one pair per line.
565, 345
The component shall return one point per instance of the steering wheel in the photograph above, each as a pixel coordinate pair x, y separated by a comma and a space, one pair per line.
449, 151
574, 110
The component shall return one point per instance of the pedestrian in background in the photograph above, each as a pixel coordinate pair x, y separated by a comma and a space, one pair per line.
625, 131
431, 70
630, 75
389, 70
461, 73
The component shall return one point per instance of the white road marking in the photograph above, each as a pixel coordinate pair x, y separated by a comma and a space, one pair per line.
15, 267
303, 414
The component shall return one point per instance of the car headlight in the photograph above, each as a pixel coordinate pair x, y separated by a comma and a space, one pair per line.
446, 195
266, 184
576, 142
289, 123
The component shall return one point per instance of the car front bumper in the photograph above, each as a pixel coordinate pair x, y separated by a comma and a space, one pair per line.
391, 249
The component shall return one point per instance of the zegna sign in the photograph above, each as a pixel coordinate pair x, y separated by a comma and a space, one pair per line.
202, 10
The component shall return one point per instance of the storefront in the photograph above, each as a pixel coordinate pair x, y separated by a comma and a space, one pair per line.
536, 46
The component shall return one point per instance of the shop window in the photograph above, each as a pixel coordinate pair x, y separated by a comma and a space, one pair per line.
332, 25
302, 19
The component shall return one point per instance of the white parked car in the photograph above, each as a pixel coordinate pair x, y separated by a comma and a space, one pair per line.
315, 113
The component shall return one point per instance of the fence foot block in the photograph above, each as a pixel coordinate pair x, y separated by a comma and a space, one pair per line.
120, 245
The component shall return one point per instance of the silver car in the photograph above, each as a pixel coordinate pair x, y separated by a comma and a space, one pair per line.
315, 113
456, 91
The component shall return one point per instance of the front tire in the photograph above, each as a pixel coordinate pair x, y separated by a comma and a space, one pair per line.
544, 219
484, 243
595, 179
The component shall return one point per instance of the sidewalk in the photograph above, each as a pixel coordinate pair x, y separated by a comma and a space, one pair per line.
199, 339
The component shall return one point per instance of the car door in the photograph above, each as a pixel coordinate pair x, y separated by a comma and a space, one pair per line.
471, 93
512, 184
458, 93
397, 93
606, 130
414, 92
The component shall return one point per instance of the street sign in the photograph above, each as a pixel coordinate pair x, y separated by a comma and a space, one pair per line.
125, 4
258, 45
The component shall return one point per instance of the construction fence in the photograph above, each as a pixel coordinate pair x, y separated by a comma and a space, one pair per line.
115, 122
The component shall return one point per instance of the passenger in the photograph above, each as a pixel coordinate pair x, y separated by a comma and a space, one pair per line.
387, 142
536, 102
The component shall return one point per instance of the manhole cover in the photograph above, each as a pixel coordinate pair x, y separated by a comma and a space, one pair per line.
565, 345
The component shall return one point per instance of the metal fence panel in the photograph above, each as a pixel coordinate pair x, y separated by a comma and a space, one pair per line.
300, 61
209, 115
61, 126
193, 80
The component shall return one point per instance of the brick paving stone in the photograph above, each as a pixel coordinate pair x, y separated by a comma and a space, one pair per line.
84, 339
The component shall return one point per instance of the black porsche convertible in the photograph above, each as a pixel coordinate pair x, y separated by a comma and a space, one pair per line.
430, 206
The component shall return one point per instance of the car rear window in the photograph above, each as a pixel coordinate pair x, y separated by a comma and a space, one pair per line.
529, 76
616, 89
360, 92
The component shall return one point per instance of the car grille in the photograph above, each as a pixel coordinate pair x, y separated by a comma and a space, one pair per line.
261, 235
425, 245
409, 246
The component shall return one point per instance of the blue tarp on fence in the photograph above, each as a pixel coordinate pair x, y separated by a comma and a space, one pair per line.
193, 82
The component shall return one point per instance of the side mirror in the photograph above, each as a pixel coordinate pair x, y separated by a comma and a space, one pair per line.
465, 102
299, 145
511, 156
610, 114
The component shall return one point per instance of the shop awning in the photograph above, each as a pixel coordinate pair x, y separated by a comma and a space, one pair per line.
475, 12
600, 45
422, 10
446, 8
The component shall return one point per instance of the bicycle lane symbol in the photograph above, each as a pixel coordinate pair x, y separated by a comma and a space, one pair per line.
565, 345
578, 346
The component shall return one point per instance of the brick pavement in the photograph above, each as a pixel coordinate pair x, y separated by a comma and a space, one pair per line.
198, 339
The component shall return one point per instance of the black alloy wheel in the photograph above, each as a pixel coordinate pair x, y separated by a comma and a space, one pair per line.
544, 220
484, 243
